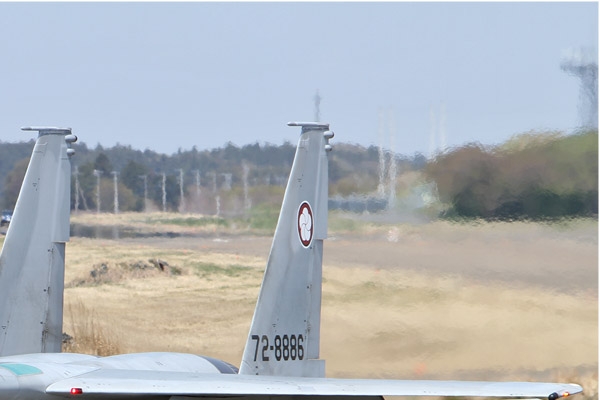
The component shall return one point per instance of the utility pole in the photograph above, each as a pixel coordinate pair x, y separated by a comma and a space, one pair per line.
97, 174
227, 182
246, 169
181, 199
214, 190
214, 181
197, 171
381, 185
583, 64
164, 192
116, 191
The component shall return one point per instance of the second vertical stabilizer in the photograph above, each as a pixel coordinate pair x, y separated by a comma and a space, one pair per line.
285, 332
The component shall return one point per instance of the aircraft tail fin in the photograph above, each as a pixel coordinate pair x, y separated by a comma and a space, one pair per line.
285, 332
33, 256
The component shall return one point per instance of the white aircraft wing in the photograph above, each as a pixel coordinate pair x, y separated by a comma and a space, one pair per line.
108, 384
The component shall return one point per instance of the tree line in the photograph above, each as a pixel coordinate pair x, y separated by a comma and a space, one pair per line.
533, 175
150, 179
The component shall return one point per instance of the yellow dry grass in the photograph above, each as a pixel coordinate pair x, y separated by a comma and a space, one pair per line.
445, 301
87, 336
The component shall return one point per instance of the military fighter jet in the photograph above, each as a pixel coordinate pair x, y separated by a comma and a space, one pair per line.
281, 359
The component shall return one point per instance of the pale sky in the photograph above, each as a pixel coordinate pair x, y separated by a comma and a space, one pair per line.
165, 76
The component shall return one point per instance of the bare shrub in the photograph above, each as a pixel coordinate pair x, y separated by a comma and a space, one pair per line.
106, 272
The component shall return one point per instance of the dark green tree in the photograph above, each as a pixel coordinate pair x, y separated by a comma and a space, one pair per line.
131, 176
102, 163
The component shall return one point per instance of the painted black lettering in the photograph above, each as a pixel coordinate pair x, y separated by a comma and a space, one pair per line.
265, 348
278, 348
293, 347
257, 338
300, 347
286, 347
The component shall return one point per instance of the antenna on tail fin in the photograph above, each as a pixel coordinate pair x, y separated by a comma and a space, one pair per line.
33, 256
285, 332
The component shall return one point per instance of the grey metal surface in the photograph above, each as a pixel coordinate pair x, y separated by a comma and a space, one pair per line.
33, 255
112, 383
285, 332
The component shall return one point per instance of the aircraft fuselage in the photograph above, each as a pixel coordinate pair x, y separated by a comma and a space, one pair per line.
26, 377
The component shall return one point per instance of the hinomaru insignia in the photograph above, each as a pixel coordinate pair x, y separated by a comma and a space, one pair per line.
305, 224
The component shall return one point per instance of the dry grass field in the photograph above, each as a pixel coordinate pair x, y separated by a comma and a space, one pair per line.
492, 301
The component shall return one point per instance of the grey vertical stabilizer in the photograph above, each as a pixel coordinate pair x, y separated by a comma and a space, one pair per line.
33, 256
285, 332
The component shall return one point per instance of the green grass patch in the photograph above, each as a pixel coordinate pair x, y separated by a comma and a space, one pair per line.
264, 217
191, 221
210, 269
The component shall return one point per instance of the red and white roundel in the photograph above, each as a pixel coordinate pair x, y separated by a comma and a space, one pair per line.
305, 224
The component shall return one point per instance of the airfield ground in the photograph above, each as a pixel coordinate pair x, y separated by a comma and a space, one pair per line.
491, 301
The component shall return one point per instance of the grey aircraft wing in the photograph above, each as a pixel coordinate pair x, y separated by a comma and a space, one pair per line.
107, 384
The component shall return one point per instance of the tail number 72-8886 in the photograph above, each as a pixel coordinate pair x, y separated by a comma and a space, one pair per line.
286, 347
